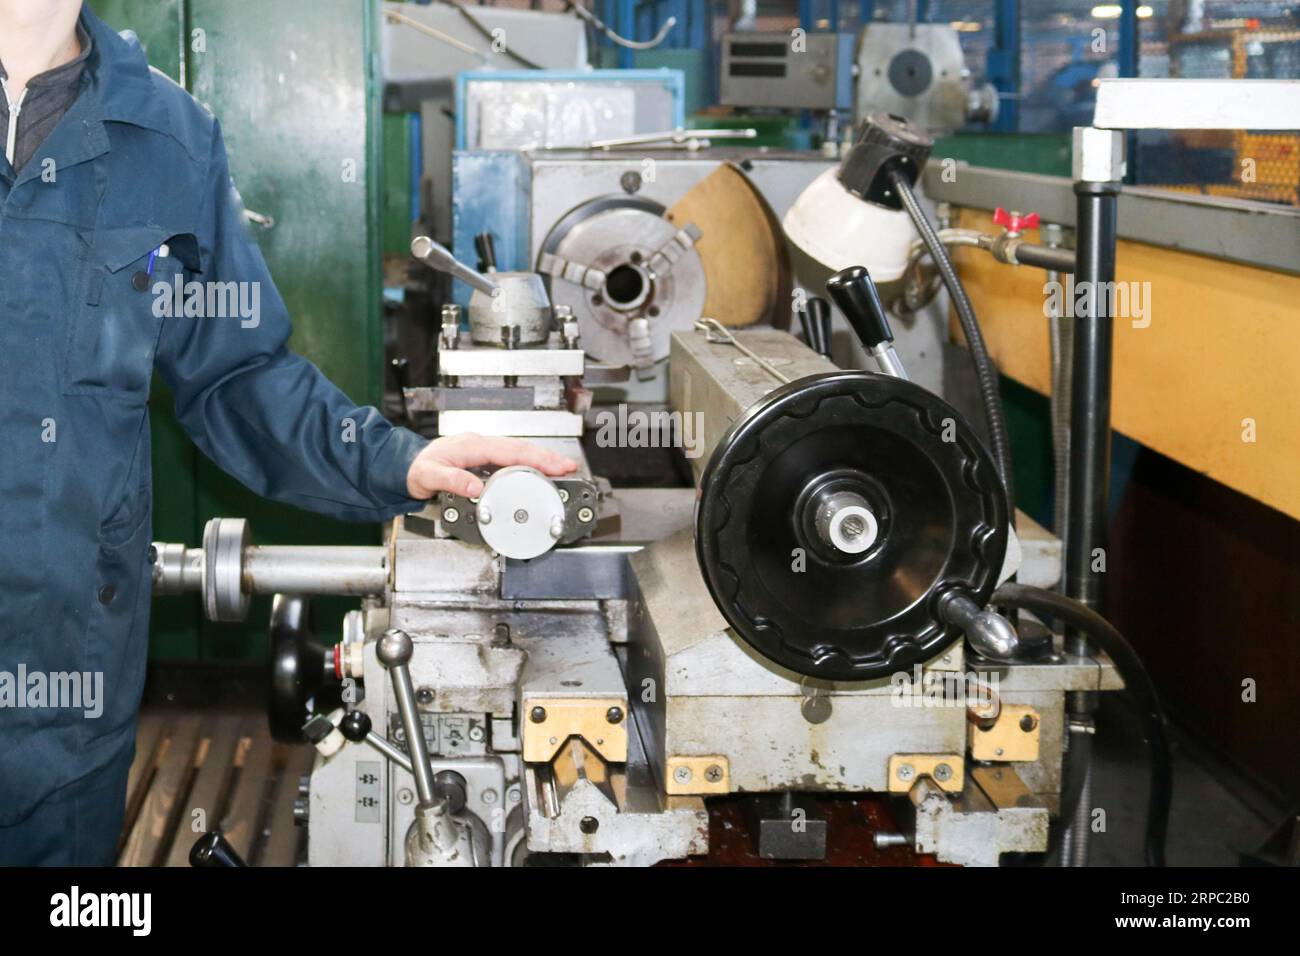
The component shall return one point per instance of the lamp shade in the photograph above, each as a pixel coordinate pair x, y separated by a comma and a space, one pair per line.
840, 230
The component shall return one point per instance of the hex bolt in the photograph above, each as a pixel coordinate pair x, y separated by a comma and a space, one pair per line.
614, 715
537, 715
713, 773
905, 771
682, 774
942, 772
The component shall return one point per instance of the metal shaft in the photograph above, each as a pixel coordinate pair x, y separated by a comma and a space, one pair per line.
286, 569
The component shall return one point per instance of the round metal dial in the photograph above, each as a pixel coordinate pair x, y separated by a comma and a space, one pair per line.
520, 513
833, 515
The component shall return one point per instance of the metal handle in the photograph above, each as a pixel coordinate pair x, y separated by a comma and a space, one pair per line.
440, 258
394, 652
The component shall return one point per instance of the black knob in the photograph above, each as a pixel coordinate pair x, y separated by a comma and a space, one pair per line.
355, 725
212, 850
487, 252
855, 293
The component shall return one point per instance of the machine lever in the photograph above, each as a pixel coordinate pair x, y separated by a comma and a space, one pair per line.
988, 631
486, 248
440, 258
854, 291
394, 651
819, 324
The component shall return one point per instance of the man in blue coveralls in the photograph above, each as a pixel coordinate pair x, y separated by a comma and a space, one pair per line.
113, 175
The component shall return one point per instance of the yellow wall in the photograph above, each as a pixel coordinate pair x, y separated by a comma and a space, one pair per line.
1223, 345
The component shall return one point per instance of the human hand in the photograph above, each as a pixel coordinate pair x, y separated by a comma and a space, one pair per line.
442, 465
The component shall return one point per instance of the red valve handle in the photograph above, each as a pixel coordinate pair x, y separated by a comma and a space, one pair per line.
1014, 221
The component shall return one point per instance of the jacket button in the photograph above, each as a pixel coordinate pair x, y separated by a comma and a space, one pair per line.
107, 593
140, 281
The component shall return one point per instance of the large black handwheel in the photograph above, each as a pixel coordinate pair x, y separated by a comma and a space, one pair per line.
836, 512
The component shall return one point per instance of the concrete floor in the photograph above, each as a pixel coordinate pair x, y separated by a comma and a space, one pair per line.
1215, 813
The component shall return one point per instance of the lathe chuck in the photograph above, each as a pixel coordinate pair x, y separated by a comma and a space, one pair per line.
834, 514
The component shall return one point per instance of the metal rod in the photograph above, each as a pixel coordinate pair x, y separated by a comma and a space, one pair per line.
717, 332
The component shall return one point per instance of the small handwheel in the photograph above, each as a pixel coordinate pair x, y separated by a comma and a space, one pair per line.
836, 512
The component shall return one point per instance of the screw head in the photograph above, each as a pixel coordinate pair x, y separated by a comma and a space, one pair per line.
521, 516
614, 715
451, 515
682, 774
942, 772
585, 515
537, 715
905, 771
424, 696
713, 773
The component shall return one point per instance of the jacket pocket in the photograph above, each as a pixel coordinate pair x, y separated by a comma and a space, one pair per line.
118, 315
117, 638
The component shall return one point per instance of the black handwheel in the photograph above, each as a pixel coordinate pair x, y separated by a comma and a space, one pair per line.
298, 666
836, 512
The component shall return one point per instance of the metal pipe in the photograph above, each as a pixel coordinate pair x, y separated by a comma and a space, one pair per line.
1088, 486
1060, 335
1089, 469
290, 569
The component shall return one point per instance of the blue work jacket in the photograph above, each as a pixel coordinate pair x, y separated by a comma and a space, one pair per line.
130, 191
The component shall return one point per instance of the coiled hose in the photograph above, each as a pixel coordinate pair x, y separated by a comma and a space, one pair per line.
1136, 680
985, 371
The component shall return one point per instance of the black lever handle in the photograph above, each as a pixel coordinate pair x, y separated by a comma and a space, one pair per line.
212, 851
819, 319
487, 252
854, 291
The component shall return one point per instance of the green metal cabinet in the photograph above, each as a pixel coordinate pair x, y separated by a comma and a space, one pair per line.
295, 85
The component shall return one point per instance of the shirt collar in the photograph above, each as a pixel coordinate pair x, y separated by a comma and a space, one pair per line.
121, 85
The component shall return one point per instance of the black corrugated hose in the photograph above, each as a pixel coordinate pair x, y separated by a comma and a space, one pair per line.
1136, 680
985, 371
